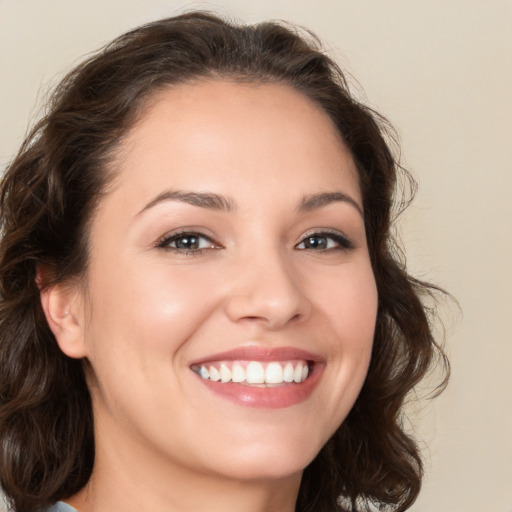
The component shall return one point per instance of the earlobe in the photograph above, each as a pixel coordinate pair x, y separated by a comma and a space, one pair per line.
63, 308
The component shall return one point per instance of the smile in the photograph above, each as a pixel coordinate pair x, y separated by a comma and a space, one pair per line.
261, 377
255, 373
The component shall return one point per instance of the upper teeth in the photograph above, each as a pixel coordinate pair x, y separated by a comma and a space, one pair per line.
254, 372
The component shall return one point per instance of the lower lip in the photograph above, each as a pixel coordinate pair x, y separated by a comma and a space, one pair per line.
266, 397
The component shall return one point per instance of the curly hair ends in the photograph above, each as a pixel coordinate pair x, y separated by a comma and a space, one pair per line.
48, 197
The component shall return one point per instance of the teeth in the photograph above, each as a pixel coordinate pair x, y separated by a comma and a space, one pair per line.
297, 374
254, 372
238, 373
274, 373
288, 373
225, 373
214, 374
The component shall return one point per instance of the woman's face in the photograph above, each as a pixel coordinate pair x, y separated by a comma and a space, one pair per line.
231, 246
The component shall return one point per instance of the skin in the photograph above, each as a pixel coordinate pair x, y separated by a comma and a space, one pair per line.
146, 312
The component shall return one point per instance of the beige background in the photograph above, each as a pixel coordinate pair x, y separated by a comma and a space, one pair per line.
441, 72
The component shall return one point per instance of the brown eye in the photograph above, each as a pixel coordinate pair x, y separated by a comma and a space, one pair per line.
187, 242
316, 242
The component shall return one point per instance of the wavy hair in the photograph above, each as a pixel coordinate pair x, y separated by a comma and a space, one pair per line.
48, 196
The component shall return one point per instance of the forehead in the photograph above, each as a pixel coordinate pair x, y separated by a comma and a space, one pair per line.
213, 134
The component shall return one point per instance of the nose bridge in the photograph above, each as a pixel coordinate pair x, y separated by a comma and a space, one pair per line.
266, 287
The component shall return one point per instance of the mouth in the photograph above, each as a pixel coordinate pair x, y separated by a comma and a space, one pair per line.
256, 373
257, 377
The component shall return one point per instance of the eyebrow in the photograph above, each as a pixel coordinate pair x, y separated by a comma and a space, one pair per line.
212, 201
316, 201
207, 200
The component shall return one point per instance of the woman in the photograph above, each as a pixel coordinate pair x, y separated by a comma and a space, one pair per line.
202, 307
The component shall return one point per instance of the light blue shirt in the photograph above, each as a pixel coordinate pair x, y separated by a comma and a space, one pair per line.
59, 507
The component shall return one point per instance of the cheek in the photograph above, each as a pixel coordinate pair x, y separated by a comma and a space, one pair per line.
357, 324
359, 314
349, 302
151, 312
349, 316
138, 333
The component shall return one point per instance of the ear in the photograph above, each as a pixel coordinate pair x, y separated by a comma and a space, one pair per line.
63, 307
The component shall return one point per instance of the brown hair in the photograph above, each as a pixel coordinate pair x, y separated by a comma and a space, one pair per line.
48, 196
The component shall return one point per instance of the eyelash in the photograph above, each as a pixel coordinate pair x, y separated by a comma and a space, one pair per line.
342, 243
165, 242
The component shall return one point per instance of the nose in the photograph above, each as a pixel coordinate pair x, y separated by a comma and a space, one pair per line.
266, 289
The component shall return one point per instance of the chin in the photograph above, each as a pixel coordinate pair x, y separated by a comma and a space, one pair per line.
266, 470
269, 461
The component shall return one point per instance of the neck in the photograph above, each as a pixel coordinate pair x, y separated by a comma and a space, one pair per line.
131, 480
123, 493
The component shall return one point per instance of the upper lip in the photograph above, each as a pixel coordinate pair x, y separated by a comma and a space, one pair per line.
257, 353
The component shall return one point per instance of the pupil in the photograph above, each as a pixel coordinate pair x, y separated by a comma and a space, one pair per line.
316, 242
187, 242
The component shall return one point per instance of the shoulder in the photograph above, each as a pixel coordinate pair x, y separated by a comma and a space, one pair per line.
58, 507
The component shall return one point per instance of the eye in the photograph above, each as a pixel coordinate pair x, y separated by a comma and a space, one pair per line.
325, 241
187, 242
